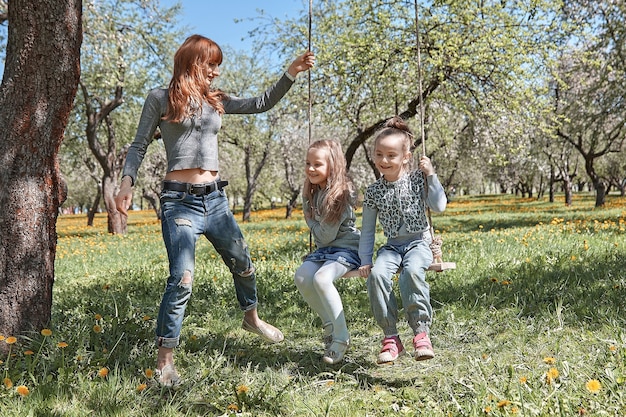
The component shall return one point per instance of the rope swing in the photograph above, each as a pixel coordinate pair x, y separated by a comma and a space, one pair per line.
438, 264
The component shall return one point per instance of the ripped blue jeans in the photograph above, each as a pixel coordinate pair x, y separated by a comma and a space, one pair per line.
184, 218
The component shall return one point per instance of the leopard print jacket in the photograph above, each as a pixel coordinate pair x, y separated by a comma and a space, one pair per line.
399, 202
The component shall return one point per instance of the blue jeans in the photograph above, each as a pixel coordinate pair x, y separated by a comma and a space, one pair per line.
184, 218
414, 258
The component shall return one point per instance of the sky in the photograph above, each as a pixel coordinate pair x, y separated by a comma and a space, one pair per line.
216, 18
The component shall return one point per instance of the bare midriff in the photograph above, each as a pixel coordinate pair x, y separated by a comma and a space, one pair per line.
192, 176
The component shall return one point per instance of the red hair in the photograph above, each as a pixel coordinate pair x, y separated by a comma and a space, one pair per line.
189, 88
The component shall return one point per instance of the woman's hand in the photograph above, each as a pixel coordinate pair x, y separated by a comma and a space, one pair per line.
302, 63
124, 197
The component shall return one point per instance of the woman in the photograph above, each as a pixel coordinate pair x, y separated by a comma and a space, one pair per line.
193, 200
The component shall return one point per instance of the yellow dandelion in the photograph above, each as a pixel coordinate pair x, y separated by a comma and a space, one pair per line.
242, 389
503, 403
98, 317
146, 317
1, 338
573, 257
232, 407
103, 372
10, 340
141, 387
487, 410
330, 383
149, 373
62, 345
22, 390
549, 360
593, 386
46, 332
523, 380
494, 280
553, 373
193, 337
8, 383
28, 352
97, 328
514, 410
612, 348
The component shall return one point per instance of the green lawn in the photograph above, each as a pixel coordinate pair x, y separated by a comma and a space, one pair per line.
531, 323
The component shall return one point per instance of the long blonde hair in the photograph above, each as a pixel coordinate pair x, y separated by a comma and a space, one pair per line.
188, 87
341, 192
397, 126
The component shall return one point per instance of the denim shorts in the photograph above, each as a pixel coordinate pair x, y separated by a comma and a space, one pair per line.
347, 257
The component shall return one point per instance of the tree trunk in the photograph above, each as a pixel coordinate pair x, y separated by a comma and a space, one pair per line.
37, 92
94, 207
116, 223
293, 201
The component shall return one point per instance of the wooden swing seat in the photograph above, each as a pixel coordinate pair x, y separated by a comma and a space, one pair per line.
436, 266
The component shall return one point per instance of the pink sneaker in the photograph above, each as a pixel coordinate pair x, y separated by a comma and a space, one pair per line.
423, 347
392, 348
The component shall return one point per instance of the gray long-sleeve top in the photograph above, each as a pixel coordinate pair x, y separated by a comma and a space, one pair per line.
192, 143
342, 234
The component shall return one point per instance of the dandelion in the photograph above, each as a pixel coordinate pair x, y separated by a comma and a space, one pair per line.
553, 373
549, 360
593, 386
22, 390
8, 383
10, 340
103, 372
98, 317
523, 380
97, 329
573, 258
242, 389
149, 373
612, 348
62, 345
29, 352
514, 410
503, 403
487, 410
1, 338
46, 332
232, 407
141, 387
146, 317
494, 280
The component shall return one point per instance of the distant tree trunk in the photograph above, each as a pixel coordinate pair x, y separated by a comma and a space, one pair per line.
94, 207
41, 74
293, 201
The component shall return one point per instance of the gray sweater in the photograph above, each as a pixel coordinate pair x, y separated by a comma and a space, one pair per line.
192, 143
342, 234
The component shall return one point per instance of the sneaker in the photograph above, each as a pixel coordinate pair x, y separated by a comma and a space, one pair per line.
335, 352
423, 347
167, 377
392, 348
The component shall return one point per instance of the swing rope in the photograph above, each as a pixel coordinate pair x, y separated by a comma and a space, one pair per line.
310, 108
436, 243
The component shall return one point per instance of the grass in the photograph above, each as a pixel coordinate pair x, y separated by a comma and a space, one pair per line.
531, 323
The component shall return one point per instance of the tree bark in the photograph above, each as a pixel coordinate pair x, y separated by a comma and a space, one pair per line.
39, 84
